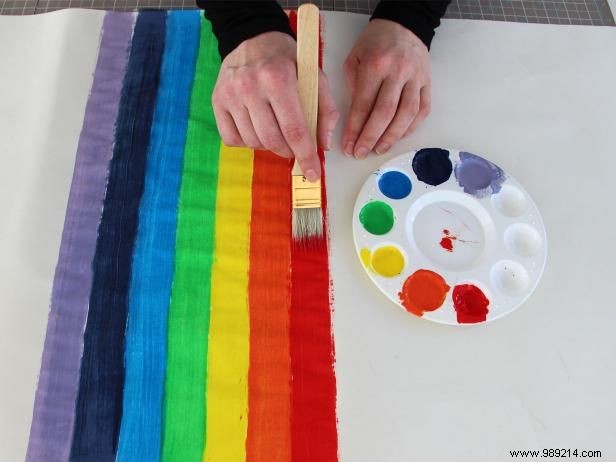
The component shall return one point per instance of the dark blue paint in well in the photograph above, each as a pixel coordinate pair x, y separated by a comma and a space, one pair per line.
395, 185
432, 165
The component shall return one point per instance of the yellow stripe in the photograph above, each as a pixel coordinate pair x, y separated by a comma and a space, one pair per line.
228, 354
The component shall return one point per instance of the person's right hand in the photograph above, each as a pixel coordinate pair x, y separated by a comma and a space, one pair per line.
256, 102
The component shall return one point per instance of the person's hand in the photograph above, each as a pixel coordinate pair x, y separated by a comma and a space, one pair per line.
388, 73
256, 102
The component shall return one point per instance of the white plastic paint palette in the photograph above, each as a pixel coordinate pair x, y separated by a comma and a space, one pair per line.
449, 236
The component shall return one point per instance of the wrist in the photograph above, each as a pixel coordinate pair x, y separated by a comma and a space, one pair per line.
398, 31
261, 48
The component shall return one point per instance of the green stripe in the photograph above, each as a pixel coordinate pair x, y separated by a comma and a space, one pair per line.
189, 312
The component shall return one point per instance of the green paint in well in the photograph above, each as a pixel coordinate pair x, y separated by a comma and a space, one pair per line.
377, 217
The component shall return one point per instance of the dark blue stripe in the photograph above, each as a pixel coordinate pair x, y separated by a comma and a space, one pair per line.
99, 403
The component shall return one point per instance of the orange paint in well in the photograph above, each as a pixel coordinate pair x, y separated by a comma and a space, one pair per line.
424, 290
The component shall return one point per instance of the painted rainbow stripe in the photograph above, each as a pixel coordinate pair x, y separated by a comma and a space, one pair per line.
184, 325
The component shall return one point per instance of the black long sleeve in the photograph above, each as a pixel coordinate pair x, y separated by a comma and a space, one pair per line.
236, 21
420, 17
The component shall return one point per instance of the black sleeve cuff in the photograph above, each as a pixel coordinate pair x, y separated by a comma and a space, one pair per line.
420, 17
236, 21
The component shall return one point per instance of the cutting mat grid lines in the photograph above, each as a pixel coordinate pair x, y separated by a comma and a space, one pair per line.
579, 12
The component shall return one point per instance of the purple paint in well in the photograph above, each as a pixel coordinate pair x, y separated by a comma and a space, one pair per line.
51, 432
478, 176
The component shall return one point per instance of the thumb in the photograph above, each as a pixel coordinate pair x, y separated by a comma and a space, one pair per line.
328, 113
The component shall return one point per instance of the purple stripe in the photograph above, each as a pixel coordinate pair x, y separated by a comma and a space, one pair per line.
54, 406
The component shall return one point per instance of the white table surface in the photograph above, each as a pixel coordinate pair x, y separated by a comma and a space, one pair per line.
537, 100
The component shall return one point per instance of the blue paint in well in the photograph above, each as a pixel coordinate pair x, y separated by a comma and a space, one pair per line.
395, 184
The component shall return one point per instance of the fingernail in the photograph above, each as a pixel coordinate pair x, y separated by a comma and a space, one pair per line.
361, 152
348, 148
311, 175
328, 141
382, 148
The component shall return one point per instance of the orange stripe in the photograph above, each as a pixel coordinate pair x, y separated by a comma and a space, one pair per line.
269, 375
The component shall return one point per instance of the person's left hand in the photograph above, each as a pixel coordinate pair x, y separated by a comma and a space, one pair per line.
388, 73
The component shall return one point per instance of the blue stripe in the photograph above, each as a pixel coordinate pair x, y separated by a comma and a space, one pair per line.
99, 402
153, 261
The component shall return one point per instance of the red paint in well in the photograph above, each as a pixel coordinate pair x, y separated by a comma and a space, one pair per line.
424, 290
314, 435
470, 303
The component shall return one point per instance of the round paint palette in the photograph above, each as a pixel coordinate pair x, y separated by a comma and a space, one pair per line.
449, 236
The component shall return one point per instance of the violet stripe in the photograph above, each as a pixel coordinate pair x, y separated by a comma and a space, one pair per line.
54, 406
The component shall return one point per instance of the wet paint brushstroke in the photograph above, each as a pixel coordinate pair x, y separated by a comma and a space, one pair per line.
153, 260
99, 403
227, 374
313, 421
314, 434
269, 375
54, 405
189, 312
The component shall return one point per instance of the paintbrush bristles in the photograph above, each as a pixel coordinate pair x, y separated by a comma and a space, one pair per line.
307, 224
306, 201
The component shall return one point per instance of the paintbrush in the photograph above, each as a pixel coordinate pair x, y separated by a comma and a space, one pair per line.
306, 195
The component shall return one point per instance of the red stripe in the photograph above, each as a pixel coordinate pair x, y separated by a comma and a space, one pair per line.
314, 435
313, 430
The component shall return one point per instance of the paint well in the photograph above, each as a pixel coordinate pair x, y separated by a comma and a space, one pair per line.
424, 290
510, 201
432, 165
478, 176
523, 240
470, 303
377, 217
395, 184
387, 261
509, 277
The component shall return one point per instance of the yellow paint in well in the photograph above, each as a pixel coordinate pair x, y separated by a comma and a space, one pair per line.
387, 261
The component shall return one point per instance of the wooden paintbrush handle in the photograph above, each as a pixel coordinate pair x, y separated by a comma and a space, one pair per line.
308, 67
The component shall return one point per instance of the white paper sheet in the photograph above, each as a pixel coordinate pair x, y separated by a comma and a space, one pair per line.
46, 70
537, 100
540, 102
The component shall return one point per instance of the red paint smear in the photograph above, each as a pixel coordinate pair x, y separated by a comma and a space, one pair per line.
447, 244
314, 435
447, 241
269, 292
470, 303
424, 290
